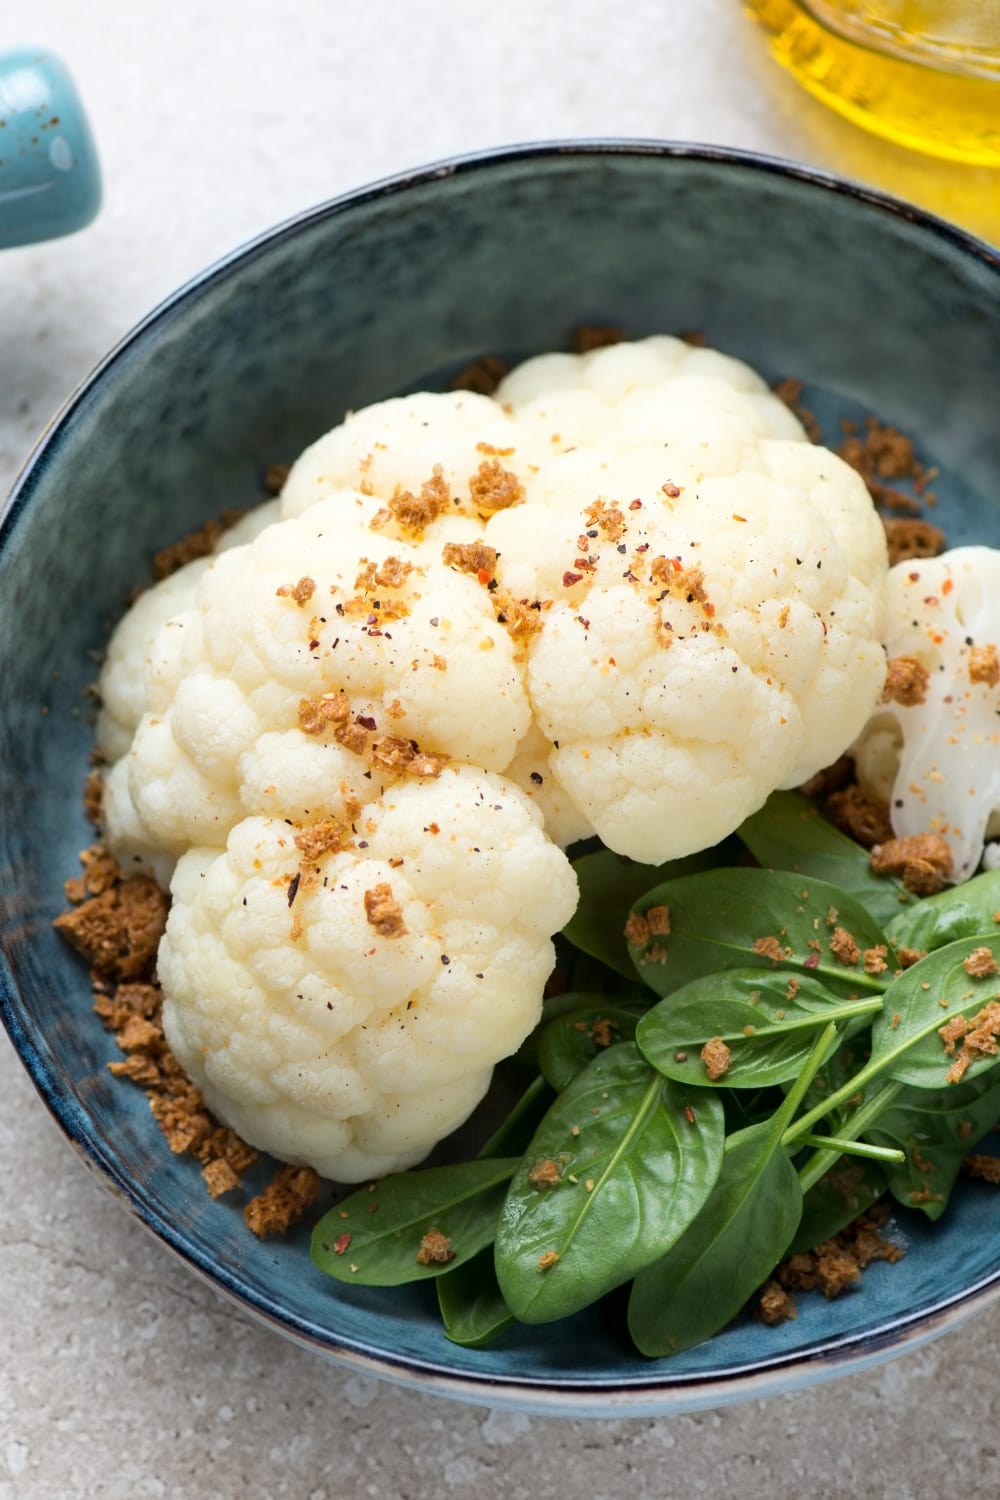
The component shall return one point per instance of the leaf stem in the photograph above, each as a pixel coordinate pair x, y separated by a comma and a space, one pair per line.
821, 1161
847, 1146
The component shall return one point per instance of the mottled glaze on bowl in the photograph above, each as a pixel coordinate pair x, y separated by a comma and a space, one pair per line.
875, 305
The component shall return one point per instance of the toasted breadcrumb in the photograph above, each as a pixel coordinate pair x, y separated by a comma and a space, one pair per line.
435, 1249
906, 682
790, 392
986, 1168
547, 1259
470, 557
910, 956
384, 912
219, 1177
908, 537
274, 478
832, 778
716, 1056
844, 947
588, 336
199, 543
327, 837
401, 757
637, 930
100, 873
414, 513
494, 488
875, 959
483, 375
658, 918
775, 1305
922, 861
317, 715
284, 1202
301, 592
862, 818
980, 963
984, 665
118, 931
93, 798
769, 947
837, 1263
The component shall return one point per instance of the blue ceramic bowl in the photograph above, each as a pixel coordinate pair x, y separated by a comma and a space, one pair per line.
876, 306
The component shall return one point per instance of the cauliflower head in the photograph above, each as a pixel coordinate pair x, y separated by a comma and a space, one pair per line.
932, 749
341, 1000
624, 596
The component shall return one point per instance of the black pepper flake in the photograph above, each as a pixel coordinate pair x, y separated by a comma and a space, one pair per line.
622, 547
313, 645
293, 886
536, 777
445, 959
434, 620
362, 843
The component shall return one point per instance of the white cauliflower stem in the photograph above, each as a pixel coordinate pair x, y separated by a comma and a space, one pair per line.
625, 596
933, 750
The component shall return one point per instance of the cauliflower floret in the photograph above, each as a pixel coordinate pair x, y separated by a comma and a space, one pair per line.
123, 677
933, 750
705, 639
276, 690
345, 1006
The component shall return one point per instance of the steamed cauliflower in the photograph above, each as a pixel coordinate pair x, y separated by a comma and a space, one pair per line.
625, 596
931, 749
374, 1002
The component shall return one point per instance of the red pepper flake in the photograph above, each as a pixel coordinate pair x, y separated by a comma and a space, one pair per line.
483, 575
635, 505
670, 489
570, 578
947, 586
341, 1243
689, 1114
811, 961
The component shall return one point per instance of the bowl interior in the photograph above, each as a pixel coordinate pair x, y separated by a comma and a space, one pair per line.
876, 309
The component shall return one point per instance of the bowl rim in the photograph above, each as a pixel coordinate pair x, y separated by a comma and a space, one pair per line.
637, 1393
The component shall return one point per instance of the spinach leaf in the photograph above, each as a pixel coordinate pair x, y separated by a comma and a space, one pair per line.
936, 1128
621, 1164
789, 833
906, 1044
471, 1303
766, 1020
567, 1045
374, 1236
733, 1245
963, 911
727, 919
847, 1189
609, 884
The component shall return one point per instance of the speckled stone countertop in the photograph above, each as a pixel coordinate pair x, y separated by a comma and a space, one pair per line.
121, 1375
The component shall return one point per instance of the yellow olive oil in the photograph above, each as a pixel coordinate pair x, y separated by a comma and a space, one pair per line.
923, 73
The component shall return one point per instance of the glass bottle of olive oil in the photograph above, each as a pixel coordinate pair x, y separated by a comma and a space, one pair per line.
924, 73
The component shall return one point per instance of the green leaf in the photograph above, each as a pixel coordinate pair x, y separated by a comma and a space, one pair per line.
569, 1044
963, 911
732, 1246
636, 1157
716, 918
906, 1044
609, 884
736, 1240
936, 1129
378, 1246
790, 834
472, 1304
847, 1189
769, 1034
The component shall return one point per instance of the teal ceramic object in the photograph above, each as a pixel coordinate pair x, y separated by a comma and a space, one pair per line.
878, 307
50, 181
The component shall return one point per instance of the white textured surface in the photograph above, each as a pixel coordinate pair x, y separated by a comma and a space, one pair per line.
120, 1374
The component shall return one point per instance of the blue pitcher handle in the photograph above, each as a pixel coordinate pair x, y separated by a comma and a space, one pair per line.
50, 181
